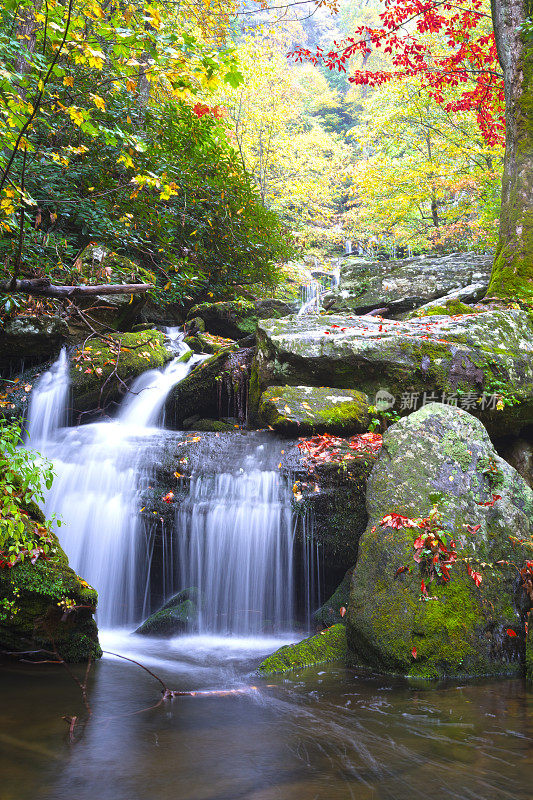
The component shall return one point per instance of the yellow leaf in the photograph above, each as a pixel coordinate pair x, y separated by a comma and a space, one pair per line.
68, 80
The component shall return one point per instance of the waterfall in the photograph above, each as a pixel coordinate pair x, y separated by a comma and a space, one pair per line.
235, 545
48, 403
232, 536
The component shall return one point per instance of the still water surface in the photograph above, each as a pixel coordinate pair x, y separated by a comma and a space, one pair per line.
327, 733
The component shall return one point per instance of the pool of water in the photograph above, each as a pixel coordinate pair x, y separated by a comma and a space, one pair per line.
327, 733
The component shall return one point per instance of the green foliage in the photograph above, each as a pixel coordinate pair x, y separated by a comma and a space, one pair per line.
23, 476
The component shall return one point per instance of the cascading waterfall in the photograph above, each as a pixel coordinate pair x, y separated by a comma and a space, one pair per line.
235, 545
48, 403
232, 537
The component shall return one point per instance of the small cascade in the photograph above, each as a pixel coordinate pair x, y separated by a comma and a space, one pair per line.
235, 545
100, 468
48, 403
232, 536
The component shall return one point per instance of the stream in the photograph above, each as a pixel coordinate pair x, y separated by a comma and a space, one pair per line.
324, 733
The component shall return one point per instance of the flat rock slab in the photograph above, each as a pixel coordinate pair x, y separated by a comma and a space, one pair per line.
482, 362
308, 409
407, 283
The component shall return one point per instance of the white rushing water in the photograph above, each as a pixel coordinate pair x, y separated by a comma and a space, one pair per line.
232, 537
235, 545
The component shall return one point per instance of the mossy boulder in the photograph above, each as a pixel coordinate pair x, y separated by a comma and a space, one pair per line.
442, 456
328, 645
46, 604
197, 424
103, 369
482, 362
311, 409
449, 308
177, 615
30, 340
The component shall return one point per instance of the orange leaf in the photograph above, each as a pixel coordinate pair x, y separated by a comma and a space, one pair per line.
342, 611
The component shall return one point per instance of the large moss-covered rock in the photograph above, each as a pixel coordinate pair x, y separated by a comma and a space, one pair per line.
409, 283
46, 605
102, 370
30, 340
442, 456
308, 409
485, 357
176, 616
529, 656
329, 645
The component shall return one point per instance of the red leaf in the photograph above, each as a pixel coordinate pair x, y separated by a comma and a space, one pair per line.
414, 652
511, 633
342, 611
397, 521
473, 528
423, 588
490, 503
168, 498
399, 571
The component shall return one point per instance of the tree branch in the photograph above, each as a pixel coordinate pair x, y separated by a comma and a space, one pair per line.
41, 287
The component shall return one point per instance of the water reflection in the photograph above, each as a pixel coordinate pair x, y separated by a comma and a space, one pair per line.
323, 734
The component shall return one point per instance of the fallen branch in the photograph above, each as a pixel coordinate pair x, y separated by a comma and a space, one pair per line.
41, 287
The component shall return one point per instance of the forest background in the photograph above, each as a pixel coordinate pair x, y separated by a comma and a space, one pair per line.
185, 141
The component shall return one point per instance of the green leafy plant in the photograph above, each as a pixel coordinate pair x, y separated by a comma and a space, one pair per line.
23, 478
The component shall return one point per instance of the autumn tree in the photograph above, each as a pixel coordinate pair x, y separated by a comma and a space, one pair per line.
475, 55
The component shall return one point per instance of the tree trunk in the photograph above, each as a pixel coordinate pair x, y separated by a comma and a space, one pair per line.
41, 287
512, 272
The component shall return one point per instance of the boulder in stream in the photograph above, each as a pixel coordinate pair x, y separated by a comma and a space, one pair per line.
328, 645
416, 608
45, 605
176, 616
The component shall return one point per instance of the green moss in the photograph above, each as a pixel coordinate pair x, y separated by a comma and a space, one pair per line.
308, 409
451, 308
40, 620
329, 612
330, 645
104, 364
453, 447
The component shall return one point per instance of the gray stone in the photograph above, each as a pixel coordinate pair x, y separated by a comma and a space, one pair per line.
31, 340
408, 283
486, 354
442, 457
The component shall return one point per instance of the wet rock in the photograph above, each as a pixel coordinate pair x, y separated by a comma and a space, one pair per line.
307, 409
178, 615
104, 368
214, 387
330, 645
481, 361
233, 319
441, 456
408, 283
332, 495
452, 303
26, 341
